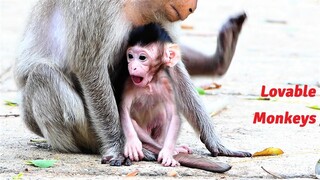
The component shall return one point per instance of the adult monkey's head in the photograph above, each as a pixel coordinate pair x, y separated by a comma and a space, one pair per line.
141, 12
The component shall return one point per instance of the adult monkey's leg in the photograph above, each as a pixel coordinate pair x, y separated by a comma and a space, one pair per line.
193, 109
52, 108
197, 63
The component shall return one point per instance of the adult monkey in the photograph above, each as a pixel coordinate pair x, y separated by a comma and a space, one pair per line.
70, 52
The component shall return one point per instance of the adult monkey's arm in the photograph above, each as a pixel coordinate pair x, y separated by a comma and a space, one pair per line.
198, 63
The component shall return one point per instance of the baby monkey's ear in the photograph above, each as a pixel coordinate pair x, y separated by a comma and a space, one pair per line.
172, 54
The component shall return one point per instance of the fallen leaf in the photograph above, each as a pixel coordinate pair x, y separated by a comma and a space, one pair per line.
211, 86
260, 99
133, 173
184, 26
18, 176
263, 99
316, 107
41, 163
38, 140
200, 91
172, 173
269, 152
10, 103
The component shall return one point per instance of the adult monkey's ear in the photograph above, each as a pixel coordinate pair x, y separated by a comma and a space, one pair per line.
172, 54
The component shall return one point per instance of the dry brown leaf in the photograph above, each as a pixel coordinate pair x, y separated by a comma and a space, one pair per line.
133, 173
184, 26
173, 173
269, 152
211, 86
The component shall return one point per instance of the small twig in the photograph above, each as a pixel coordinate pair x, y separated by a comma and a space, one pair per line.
218, 111
9, 115
278, 177
200, 34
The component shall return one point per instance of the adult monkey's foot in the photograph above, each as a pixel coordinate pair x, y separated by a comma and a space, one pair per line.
198, 63
116, 160
220, 150
231, 153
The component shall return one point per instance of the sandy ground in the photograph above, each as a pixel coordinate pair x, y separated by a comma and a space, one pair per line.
279, 46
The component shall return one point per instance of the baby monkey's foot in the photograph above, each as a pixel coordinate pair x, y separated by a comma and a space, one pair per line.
182, 149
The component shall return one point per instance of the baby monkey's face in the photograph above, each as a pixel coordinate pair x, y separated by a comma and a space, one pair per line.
142, 63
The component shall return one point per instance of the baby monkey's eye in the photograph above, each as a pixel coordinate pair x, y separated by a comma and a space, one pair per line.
130, 56
142, 58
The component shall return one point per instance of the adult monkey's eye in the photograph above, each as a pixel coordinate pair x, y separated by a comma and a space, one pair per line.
130, 56
142, 58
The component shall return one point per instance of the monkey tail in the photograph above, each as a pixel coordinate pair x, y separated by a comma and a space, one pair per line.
198, 162
194, 161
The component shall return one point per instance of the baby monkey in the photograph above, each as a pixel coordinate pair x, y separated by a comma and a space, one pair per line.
149, 112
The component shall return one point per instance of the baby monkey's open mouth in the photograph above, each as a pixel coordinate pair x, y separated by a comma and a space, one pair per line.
136, 79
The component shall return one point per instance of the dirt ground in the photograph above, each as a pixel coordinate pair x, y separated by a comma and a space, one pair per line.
278, 47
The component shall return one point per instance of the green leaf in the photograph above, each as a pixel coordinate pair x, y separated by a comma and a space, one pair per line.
10, 103
38, 140
263, 99
18, 176
201, 91
41, 163
316, 107
260, 98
